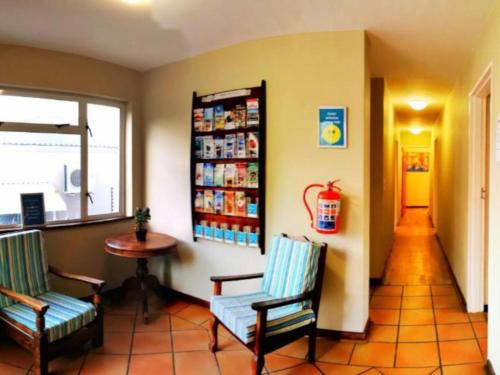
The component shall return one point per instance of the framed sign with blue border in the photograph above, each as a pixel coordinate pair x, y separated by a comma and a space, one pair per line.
32, 209
332, 127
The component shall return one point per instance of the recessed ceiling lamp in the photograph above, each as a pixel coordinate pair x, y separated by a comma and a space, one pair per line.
418, 105
415, 130
134, 1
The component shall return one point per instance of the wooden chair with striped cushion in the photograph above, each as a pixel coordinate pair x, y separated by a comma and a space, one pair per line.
286, 307
45, 322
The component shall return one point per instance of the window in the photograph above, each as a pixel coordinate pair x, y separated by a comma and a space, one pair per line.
68, 147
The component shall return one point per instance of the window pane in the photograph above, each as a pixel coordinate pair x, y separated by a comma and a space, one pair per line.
39, 163
38, 110
103, 159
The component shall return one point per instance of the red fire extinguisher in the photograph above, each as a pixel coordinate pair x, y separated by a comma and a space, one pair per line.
328, 208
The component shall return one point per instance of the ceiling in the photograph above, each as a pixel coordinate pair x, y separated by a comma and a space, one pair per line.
419, 46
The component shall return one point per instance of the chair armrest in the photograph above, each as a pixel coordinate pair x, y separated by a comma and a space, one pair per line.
278, 302
96, 283
249, 276
36, 305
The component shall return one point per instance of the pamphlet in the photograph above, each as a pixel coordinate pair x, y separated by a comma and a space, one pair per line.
208, 174
241, 174
230, 124
230, 146
199, 175
253, 112
219, 148
241, 203
239, 114
229, 208
253, 175
220, 121
253, 144
208, 119
208, 147
208, 201
198, 119
241, 151
219, 201
230, 175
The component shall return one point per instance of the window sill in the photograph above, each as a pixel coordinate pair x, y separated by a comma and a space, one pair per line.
57, 226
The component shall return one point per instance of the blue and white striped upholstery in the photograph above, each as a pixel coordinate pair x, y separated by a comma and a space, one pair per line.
291, 270
24, 269
237, 315
64, 316
23, 264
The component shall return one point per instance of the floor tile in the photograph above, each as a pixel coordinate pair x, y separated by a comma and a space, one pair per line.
340, 353
460, 352
151, 364
481, 329
151, 343
374, 354
417, 317
417, 354
305, 369
459, 331
118, 323
331, 369
11, 370
442, 290
296, 349
235, 362
276, 362
378, 333
424, 333
105, 365
190, 340
471, 369
174, 306
395, 291
14, 355
190, 363
157, 323
483, 345
446, 316
477, 317
417, 290
449, 302
179, 324
408, 371
115, 343
127, 306
384, 316
418, 302
385, 302
194, 314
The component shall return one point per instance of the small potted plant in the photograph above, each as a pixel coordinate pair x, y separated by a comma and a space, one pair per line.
141, 218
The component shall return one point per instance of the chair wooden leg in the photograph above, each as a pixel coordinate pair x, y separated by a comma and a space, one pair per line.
311, 354
258, 363
214, 338
98, 341
40, 355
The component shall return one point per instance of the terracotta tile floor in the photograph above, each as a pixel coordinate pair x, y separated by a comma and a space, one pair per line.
417, 329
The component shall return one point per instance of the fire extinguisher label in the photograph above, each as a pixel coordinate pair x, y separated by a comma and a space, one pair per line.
328, 211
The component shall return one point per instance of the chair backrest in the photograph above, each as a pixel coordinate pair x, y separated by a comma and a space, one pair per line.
292, 267
23, 264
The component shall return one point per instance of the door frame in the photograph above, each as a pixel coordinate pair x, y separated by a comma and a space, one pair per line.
476, 225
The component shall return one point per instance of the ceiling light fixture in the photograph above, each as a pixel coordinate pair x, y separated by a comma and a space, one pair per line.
415, 130
133, 1
418, 105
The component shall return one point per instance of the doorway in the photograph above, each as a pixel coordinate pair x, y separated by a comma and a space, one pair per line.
479, 187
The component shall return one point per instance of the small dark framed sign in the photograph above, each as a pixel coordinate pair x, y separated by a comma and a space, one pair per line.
32, 209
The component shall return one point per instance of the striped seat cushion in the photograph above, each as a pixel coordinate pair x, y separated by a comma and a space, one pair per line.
23, 264
64, 316
236, 313
291, 268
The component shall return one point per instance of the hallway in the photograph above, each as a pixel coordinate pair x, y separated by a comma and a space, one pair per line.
418, 310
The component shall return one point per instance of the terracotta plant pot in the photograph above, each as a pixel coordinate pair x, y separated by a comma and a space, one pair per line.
141, 234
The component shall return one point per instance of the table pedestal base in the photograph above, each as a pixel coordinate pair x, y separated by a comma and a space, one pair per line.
142, 281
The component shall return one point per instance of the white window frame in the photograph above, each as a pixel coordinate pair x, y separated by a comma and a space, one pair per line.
81, 130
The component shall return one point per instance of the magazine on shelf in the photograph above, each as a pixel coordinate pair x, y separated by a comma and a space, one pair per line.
253, 145
253, 112
253, 175
208, 119
208, 174
198, 119
220, 121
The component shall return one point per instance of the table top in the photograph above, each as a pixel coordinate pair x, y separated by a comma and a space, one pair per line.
126, 245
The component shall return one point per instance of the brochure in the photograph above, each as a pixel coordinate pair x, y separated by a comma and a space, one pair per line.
230, 124
199, 175
219, 201
253, 144
208, 147
230, 146
253, 112
220, 121
239, 114
219, 174
229, 203
199, 201
241, 203
208, 203
230, 175
253, 175
208, 119
208, 174
218, 148
241, 174
241, 151
198, 119
198, 147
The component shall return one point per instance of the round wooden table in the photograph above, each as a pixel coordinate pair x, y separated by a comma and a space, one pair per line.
127, 246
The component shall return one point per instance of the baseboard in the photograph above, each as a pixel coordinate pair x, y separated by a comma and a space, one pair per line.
345, 335
489, 368
455, 282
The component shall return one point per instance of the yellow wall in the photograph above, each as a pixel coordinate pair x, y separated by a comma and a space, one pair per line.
382, 183
303, 72
417, 189
453, 151
80, 249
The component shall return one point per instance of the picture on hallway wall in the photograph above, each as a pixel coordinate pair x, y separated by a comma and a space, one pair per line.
417, 161
332, 127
